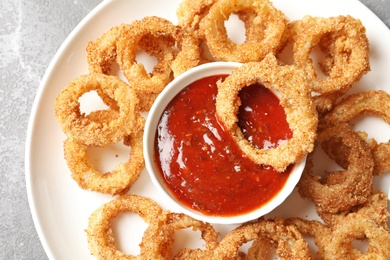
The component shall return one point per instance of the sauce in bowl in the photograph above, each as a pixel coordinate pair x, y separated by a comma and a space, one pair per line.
199, 161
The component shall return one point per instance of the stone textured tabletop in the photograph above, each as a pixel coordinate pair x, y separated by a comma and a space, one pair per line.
31, 32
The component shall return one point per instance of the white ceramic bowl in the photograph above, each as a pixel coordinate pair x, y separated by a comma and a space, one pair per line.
170, 91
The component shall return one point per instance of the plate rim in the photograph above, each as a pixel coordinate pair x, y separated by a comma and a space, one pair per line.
32, 121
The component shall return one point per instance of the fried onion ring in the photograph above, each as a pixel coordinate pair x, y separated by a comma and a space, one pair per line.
156, 36
353, 185
190, 13
102, 53
176, 63
100, 236
343, 42
343, 39
321, 233
375, 103
158, 239
260, 248
160, 47
80, 127
375, 208
118, 180
270, 21
358, 227
294, 98
290, 243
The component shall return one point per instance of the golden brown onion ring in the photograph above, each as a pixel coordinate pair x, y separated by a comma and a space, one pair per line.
290, 243
352, 186
358, 227
375, 103
101, 240
81, 128
294, 98
343, 39
158, 42
260, 248
175, 63
191, 12
160, 47
270, 21
102, 54
118, 180
375, 208
344, 43
321, 233
158, 239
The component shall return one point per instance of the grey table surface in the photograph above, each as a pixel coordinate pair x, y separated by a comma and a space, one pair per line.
31, 33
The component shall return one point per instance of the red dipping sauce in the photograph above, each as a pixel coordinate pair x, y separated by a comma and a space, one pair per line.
202, 165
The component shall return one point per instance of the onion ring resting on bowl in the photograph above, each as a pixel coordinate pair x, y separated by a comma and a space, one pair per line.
294, 97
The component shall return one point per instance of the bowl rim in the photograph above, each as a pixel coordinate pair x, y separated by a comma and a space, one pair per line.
153, 117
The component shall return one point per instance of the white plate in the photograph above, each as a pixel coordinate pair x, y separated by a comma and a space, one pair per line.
60, 209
